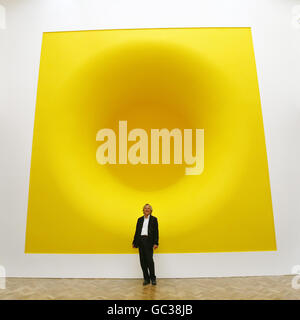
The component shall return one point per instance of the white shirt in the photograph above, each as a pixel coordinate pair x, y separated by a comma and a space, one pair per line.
145, 226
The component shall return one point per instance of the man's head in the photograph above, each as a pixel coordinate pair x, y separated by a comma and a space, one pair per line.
147, 209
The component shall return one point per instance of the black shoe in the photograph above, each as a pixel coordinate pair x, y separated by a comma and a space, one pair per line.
146, 282
153, 282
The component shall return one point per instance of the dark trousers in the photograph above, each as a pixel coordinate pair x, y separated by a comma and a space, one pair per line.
146, 258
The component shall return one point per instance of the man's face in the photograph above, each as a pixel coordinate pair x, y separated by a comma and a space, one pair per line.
147, 210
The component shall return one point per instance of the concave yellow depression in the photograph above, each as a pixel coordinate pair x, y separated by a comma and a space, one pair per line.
190, 78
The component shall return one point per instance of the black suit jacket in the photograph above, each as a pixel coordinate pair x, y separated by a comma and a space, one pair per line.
152, 231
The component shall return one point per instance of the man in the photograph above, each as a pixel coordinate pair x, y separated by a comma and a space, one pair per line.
146, 239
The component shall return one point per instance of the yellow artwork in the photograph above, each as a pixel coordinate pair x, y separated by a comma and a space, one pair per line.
170, 117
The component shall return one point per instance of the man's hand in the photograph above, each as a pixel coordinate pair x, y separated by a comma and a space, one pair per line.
155, 246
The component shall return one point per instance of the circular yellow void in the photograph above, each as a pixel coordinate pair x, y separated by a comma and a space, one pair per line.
152, 85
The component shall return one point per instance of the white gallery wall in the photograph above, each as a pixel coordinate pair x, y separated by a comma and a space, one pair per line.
276, 36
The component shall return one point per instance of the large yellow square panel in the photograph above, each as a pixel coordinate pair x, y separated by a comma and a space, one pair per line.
102, 95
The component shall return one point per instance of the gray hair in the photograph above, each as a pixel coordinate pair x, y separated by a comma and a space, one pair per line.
147, 204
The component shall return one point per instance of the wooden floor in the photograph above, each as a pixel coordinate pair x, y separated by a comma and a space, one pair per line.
274, 287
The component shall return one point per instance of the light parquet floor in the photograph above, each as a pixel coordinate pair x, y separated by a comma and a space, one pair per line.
266, 288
